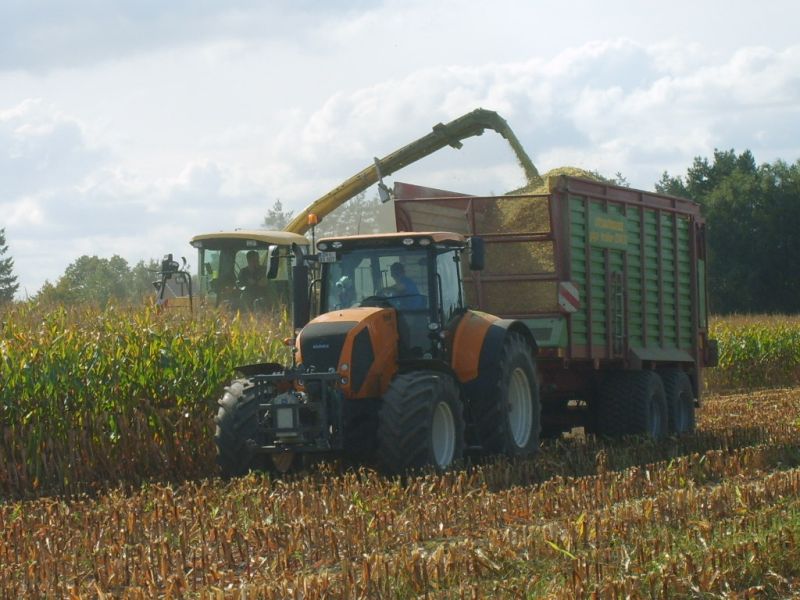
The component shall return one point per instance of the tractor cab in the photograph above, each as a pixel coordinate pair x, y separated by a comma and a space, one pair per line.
247, 269
417, 274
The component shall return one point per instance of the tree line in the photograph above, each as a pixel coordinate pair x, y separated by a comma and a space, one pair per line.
753, 220
752, 213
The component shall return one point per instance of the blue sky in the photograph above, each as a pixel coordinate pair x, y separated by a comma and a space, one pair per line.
127, 127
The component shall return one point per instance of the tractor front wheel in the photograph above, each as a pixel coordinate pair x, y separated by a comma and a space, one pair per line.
237, 425
237, 422
420, 423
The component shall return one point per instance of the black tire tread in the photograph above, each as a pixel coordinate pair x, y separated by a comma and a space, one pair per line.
490, 417
623, 409
404, 420
236, 423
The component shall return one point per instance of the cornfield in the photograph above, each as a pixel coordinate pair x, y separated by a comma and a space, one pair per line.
756, 351
119, 395
110, 413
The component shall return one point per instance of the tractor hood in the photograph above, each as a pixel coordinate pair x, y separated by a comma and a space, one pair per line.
360, 344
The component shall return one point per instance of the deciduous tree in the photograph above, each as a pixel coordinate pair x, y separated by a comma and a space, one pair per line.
753, 216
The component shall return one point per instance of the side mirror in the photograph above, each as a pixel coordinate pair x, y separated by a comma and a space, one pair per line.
383, 193
301, 306
274, 262
477, 254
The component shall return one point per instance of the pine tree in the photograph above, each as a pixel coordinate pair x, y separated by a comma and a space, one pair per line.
8, 281
277, 218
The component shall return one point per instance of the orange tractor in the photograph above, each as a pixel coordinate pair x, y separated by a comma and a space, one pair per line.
396, 369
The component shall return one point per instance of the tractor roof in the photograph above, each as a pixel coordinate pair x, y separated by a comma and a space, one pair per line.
241, 236
437, 237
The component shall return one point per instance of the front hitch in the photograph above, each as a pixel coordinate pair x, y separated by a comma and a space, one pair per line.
308, 419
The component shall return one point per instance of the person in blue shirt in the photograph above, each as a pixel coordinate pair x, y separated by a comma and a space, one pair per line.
404, 289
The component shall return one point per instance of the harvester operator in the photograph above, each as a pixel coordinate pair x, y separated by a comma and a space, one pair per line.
253, 278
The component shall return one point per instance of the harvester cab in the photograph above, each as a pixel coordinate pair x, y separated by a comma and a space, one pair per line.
396, 368
248, 270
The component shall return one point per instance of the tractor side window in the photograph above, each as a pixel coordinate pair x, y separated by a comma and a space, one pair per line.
447, 275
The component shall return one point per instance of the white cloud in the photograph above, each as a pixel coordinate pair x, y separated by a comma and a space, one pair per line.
40, 36
41, 148
584, 103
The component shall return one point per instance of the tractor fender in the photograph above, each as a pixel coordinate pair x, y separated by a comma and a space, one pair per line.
478, 343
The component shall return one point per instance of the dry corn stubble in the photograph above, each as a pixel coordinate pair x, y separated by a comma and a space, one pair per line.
710, 514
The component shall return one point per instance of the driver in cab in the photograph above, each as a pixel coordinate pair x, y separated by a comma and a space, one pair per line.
404, 290
253, 278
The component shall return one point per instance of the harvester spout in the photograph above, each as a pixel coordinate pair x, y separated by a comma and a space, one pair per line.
450, 134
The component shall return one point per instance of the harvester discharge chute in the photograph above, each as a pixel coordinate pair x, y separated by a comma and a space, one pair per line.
450, 134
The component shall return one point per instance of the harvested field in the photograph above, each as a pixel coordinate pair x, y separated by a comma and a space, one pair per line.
715, 514
102, 402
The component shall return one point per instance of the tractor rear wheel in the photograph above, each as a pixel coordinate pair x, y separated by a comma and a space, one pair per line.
509, 420
632, 403
680, 400
420, 423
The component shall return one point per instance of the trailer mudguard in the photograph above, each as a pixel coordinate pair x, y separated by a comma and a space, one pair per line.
478, 346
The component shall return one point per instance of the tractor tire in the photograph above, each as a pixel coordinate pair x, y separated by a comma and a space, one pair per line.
360, 426
509, 421
680, 401
632, 403
420, 423
237, 422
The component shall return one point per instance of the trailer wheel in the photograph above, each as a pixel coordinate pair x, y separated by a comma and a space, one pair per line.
509, 421
680, 400
632, 402
420, 423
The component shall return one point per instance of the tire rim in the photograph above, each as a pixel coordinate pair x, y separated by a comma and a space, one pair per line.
443, 435
520, 408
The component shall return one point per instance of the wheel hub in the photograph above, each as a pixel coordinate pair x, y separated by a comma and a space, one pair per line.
520, 409
443, 434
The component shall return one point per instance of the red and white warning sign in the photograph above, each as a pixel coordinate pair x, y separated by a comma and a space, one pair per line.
569, 299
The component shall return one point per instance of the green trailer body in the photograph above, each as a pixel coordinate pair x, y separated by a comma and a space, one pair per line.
609, 279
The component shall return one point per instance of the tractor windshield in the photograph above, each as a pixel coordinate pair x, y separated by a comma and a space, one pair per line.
395, 276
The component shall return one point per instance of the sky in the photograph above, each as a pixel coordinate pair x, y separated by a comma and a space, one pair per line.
127, 127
